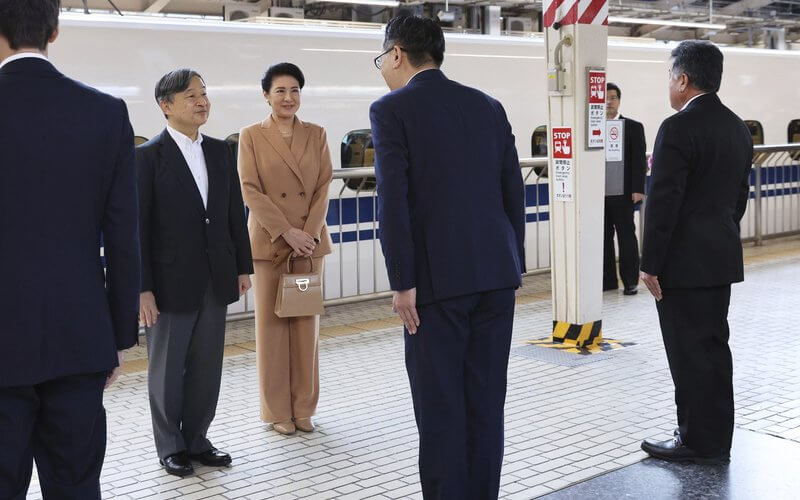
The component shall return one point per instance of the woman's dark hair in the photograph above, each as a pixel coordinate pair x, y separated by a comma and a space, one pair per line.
282, 69
701, 61
421, 38
28, 23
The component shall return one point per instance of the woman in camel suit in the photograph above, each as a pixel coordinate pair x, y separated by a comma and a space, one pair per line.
285, 169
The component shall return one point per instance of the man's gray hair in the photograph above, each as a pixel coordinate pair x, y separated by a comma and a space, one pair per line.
701, 61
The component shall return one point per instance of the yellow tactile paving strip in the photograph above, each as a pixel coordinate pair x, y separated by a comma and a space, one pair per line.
536, 288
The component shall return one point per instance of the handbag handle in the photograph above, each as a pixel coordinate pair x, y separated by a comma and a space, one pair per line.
289, 264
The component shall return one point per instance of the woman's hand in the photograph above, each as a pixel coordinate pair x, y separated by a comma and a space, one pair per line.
301, 242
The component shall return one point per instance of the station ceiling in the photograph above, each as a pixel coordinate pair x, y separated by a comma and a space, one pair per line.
758, 23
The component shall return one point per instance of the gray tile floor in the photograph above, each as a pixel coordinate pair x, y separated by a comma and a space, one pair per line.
563, 424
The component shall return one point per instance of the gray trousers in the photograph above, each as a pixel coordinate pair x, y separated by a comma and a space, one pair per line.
185, 353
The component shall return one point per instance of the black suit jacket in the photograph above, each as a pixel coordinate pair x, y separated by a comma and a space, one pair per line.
67, 180
184, 244
451, 200
635, 157
700, 186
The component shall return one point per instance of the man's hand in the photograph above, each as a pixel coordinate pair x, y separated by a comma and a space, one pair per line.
114, 375
637, 197
652, 285
404, 303
244, 284
148, 312
301, 242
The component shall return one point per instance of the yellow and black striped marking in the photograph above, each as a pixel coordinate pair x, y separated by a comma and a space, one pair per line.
585, 335
603, 346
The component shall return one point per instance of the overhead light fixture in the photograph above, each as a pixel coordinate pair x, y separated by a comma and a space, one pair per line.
665, 22
381, 3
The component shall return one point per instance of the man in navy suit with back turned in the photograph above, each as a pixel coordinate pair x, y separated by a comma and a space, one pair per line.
67, 175
452, 222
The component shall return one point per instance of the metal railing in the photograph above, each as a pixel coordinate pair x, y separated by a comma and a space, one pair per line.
366, 185
773, 207
773, 211
774, 198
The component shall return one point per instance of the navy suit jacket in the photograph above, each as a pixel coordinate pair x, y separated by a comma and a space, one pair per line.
186, 245
700, 185
451, 200
67, 176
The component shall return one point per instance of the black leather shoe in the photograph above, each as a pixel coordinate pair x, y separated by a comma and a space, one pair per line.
631, 290
673, 450
212, 458
177, 465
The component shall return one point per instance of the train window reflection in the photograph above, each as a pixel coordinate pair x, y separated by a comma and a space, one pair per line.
539, 142
138, 140
358, 152
539, 147
233, 144
756, 131
794, 131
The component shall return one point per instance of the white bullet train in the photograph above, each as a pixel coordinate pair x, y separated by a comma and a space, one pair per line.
125, 56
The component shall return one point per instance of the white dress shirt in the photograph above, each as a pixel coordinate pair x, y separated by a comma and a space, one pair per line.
692, 99
193, 154
22, 55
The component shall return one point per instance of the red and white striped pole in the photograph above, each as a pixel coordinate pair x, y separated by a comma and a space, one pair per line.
576, 34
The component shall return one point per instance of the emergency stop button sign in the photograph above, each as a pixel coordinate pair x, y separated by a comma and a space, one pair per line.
562, 180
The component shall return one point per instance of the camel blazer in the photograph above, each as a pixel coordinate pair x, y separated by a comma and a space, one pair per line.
285, 187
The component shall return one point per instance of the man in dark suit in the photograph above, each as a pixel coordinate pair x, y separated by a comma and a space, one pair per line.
693, 252
452, 222
195, 261
67, 181
619, 208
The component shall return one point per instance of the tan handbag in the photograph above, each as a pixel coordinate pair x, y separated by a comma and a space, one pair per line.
299, 294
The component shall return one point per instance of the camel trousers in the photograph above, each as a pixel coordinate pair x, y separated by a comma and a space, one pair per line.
287, 349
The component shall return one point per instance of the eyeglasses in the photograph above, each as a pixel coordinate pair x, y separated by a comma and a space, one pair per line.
379, 60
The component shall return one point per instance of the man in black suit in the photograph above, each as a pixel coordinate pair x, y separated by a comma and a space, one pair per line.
693, 252
67, 182
195, 261
452, 220
619, 208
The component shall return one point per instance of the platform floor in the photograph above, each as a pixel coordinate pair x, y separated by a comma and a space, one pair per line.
568, 419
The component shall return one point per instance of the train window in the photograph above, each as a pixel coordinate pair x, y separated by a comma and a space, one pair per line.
539, 148
358, 152
794, 131
539, 142
756, 131
233, 144
138, 140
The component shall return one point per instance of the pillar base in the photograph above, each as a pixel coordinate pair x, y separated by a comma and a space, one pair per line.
585, 335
